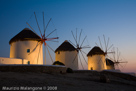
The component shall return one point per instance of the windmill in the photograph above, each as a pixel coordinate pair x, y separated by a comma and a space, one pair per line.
96, 59
105, 47
44, 37
79, 45
117, 59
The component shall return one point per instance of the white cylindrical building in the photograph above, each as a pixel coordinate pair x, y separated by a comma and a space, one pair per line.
67, 54
27, 45
96, 59
110, 64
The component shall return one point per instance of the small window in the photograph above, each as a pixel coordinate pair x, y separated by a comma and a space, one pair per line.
91, 68
58, 52
28, 50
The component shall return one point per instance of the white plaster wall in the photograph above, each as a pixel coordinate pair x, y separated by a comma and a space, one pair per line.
12, 61
110, 67
67, 58
19, 50
97, 62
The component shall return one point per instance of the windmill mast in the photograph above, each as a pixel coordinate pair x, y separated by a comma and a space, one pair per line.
117, 60
79, 46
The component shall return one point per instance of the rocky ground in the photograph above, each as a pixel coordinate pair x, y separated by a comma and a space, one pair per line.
77, 81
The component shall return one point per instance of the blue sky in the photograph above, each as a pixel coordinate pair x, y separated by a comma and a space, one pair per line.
113, 18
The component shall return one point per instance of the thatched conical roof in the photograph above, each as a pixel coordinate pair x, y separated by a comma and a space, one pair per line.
109, 62
96, 51
65, 46
25, 34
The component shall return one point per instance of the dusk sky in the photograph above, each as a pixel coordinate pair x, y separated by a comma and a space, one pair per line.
115, 19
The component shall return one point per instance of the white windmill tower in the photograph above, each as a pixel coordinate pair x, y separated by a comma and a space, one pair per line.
28, 44
105, 47
97, 56
23, 43
69, 53
96, 59
110, 64
65, 53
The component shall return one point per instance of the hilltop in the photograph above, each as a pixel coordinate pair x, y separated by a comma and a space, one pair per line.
79, 80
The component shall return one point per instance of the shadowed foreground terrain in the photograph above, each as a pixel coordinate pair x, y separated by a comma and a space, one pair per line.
77, 81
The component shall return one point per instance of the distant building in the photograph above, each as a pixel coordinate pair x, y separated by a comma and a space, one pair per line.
67, 54
27, 45
96, 59
110, 64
